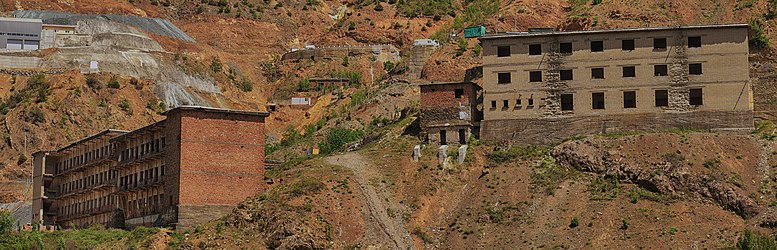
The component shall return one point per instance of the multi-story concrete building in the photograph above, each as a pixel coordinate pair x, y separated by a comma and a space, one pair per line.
192, 167
449, 112
20, 33
543, 87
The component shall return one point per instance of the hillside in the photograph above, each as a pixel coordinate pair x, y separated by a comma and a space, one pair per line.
688, 189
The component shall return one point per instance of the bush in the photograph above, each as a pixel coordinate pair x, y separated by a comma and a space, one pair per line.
388, 66
605, 188
758, 38
114, 82
6, 222
303, 85
337, 138
574, 223
246, 86
125, 106
93, 82
433, 8
462, 47
215, 65
752, 241
36, 88
378, 7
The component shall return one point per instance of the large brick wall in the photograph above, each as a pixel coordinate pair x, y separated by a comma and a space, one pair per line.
554, 130
221, 162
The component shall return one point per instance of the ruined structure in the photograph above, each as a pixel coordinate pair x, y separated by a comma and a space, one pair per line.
192, 167
449, 112
543, 87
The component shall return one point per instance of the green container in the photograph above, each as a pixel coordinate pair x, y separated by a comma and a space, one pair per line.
474, 31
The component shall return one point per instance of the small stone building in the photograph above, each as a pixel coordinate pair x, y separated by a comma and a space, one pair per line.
449, 112
190, 168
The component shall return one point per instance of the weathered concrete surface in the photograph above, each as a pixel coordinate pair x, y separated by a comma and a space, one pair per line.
192, 215
554, 130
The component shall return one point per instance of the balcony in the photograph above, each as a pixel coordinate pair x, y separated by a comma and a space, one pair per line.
106, 183
145, 183
88, 212
81, 167
155, 154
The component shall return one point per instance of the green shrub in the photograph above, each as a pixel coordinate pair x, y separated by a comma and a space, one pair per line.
754, 241
114, 82
246, 85
303, 85
6, 222
574, 223
429, 8
125, 106
624, 224
215, 65
337, 138
93, 82
306, 186
463, 43
595, 2
36, 87
388, 66
378, 7
548, 174
637, 193
604, 188
758, 39
517, 153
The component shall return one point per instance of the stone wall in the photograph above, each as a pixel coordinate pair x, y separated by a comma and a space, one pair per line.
192, 215
555, 130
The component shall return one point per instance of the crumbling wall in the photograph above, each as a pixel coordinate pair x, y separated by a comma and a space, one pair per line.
678, 76
555, 130
555, 61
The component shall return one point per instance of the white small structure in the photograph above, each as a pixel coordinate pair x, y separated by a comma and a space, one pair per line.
310, 46
300, 101
94, 65
425, 42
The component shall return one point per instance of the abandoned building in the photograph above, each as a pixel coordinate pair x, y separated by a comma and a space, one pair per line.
192, 167
449, 112
544, 87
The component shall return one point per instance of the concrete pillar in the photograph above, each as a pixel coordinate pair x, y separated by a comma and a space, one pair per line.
417, 153
442, 154
462, 154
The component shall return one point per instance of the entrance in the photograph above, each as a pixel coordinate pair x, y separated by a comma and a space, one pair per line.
462, 136
443, 138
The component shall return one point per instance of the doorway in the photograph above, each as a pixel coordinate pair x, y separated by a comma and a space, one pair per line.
462, 136
443, 138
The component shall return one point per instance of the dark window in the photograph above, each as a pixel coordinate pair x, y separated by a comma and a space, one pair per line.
531, 102
504, 77
518, 103
694, 68
662, 98
565, 48
597, 46
660, 70
459, 93
493, 104
535, 76
505, 104
659, 43
566, 75
535, 49
627, 44
503, 51
694, 42
629, 71
629, 99
695, 97
567, 102
597, 100
597, 73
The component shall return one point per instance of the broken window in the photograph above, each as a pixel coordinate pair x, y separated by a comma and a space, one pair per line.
694, 42
518, 103
627, 44
504, 78
660, 70
505, 104
662, 98
567, 102
597, 100
659, 43
597, 46
459, 93
531, 102
629, 71
535, 49
566, 75
629, 99
695, 97
503, 51
597, 73
493, 104
565, 48
694, 68
535, 76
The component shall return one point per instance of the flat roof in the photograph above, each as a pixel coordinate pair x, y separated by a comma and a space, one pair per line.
138, 131
578, 32
59, 25
216, 110
95, 136
24, 20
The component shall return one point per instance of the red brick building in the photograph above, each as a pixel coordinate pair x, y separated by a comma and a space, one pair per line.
449, 112
190, 168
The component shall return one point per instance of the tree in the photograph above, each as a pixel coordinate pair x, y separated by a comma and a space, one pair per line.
6, 221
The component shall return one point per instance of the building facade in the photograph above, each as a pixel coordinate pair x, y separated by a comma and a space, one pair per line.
20, 33
543, 87
449, 112
192, 167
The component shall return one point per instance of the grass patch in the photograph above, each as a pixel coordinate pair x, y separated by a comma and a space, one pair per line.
752, 240
88, 238
548, 174
604, 188
517, 153
638, 193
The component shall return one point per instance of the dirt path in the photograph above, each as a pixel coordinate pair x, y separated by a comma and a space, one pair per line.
388, 229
